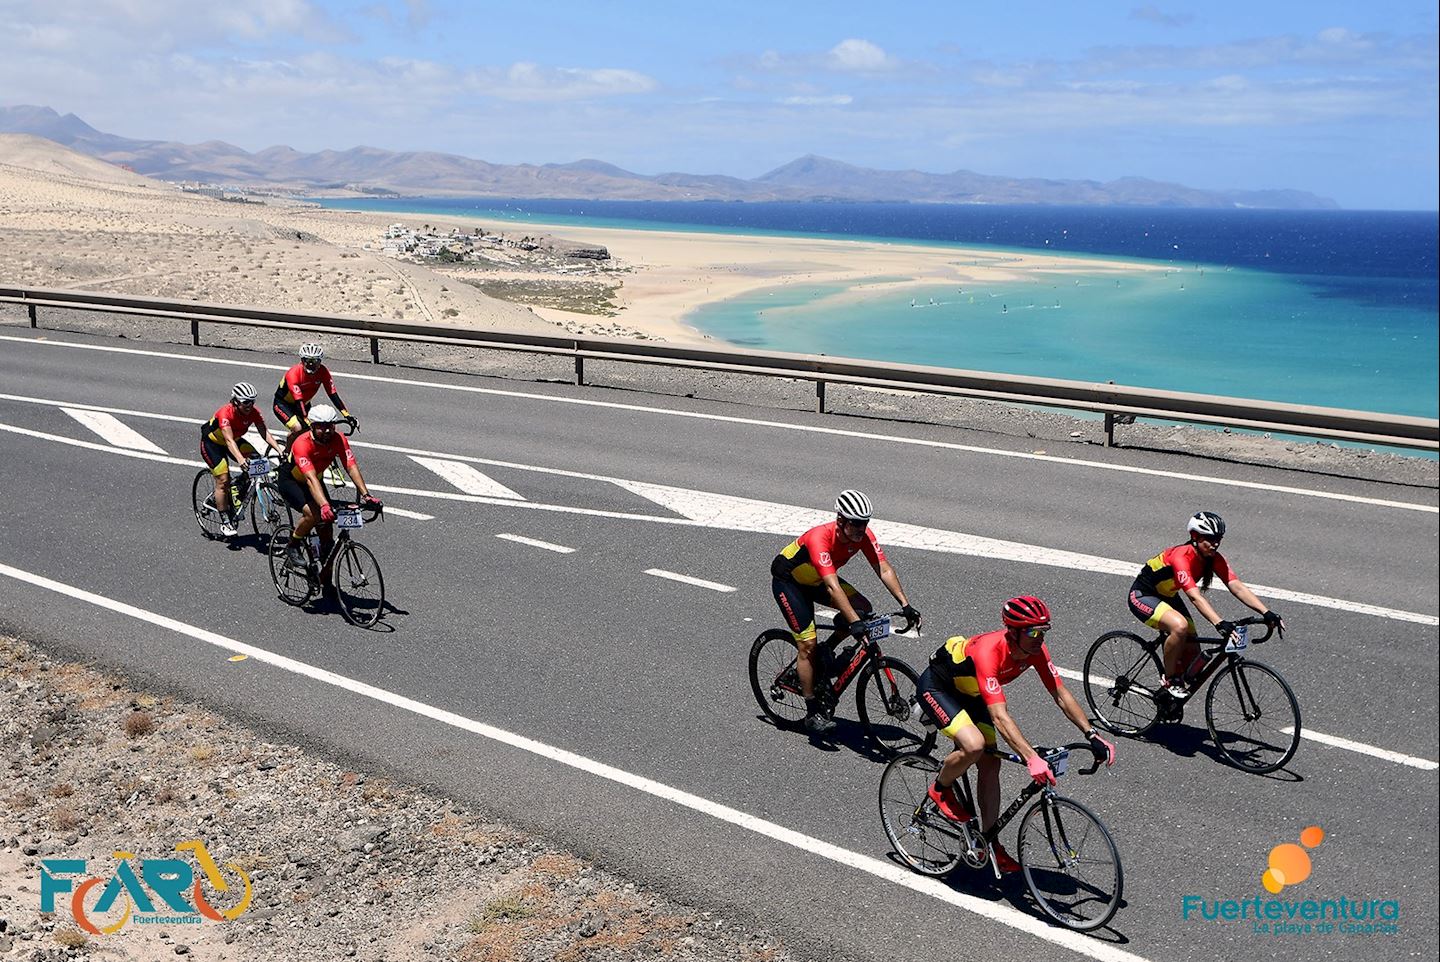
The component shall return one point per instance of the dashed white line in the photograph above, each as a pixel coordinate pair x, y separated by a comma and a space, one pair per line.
114, 430
994, 911
536, 543
776, 425
686, 579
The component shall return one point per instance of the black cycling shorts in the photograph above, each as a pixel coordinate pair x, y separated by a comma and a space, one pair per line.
296, 495
287, 410
951, 709
797, 603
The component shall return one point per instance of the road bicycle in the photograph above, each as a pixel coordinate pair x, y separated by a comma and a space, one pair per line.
885, 699
252, 492
1066, 854
353, 570
334, 476
1251, 712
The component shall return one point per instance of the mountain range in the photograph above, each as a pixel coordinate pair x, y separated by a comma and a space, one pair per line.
369, 170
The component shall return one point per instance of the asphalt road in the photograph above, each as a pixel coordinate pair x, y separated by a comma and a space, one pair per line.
587, 653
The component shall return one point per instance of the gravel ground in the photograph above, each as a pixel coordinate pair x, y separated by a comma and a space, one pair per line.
1058, 431
343, 864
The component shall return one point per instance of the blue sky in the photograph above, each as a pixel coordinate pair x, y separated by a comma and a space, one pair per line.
1335, 98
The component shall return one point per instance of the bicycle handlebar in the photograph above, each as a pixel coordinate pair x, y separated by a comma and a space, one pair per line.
1254, 620
1049, 754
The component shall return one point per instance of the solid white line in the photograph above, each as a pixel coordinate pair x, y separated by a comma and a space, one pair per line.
698, 582
114, 430
466, 478
779, 426
1383, 753
995, 911
1424, 764
706, 510
536, 543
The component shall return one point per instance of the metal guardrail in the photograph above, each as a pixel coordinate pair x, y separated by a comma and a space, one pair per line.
1118, 403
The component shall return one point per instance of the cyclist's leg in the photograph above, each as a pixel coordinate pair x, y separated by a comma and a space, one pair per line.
306, 517
288, 413
799, 613
1170, 617
859, 602
215, 459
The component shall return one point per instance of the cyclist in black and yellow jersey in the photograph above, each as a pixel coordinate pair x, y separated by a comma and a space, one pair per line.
223, 446
299, 385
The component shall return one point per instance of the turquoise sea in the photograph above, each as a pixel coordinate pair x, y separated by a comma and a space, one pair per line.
1335, 308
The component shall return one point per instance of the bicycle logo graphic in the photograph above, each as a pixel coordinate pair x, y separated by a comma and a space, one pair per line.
169, 879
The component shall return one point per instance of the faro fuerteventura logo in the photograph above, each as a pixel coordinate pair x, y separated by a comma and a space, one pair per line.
1289, 865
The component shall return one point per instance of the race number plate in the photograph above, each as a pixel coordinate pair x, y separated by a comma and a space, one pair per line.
1240, 641
1059, 763
878, 628
349, 519
258, 467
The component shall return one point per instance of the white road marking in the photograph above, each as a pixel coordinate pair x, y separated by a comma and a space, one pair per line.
709, 510
1333, 740
994, 911
1424, 764
413, 515
536, 543
686, 579
466, 478
114, 430
779, 426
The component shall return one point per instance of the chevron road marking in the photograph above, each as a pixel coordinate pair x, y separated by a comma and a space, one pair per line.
536, 543
466, 478
113, 430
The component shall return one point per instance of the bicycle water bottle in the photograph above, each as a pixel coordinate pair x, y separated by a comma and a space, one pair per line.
315, 546
1196, 667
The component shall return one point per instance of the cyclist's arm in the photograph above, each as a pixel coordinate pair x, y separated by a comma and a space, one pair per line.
232, 445
314, 487
1202, 605
1246, 597
269, 438
838, 599
1005, 725
329, 385
353, 469
891, 581
1072, 710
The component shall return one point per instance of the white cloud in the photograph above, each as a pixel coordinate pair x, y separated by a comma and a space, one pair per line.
831, 100
859, 56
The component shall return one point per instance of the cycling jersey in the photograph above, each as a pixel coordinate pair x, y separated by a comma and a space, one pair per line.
982, 666
1178, 569
236, 420
308, 454
820, 551
299, 384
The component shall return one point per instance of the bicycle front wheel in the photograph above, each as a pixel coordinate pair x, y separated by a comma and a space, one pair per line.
774, 680
292, 582
1070, 863
268, 511
1122, 675
924, 839
358, 585
1253, 717
202, 501
887, 703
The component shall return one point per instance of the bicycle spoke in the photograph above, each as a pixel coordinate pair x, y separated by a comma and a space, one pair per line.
920, 835
1253, 717
774, 679
887, 694
1071, 865
359, 585
1122, 674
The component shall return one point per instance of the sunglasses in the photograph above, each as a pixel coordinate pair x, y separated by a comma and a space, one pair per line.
244, 404
855, 525
1036, 634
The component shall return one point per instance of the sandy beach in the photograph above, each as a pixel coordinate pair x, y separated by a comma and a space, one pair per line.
70, 221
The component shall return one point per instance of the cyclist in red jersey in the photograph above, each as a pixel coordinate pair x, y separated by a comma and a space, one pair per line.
962, 692
223, 446
1188, 568
300, 483
299, 385
805, 572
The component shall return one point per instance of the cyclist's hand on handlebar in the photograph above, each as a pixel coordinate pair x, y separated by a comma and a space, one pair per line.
1226, 629
327, 513
353, 421
1274, 622
372, 502
857, 629
1104, 751
911, 615
1040, 770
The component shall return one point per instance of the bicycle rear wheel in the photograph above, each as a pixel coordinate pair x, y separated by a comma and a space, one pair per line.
774, 680
886, 701
292, 583
358, 585
1122, 675
1070, 863
202, 500
924, 839
1253, 717
268, 511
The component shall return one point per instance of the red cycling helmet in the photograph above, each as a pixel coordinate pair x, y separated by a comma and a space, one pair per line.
1025, 611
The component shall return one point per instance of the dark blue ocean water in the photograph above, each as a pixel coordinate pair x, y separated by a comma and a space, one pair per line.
1339, 308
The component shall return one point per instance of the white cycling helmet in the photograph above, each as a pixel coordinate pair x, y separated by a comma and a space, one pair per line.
243, 391
311, 352
853, 506
323, 414
1207, 524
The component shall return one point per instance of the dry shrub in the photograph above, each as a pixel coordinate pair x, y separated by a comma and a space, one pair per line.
20, 801
138, 724
558, 864
65, 818
61, 790
71, 938
202, 753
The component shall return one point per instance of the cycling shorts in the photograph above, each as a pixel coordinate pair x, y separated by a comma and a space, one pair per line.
797, 603
951, 709
295, 493
1151, 608
217, 455
289, 412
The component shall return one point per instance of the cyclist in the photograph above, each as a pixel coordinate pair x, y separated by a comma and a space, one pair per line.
962, 691
223, 443
805, 572
1155, 599
301, 383
301, 486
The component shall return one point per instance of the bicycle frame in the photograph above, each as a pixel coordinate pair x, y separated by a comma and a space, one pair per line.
1031, 789
1219, 657
868, 649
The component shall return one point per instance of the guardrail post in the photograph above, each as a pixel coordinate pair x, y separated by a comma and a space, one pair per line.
819, 397
579, 370
374, 350
31, 309
195, 333
1109, 429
